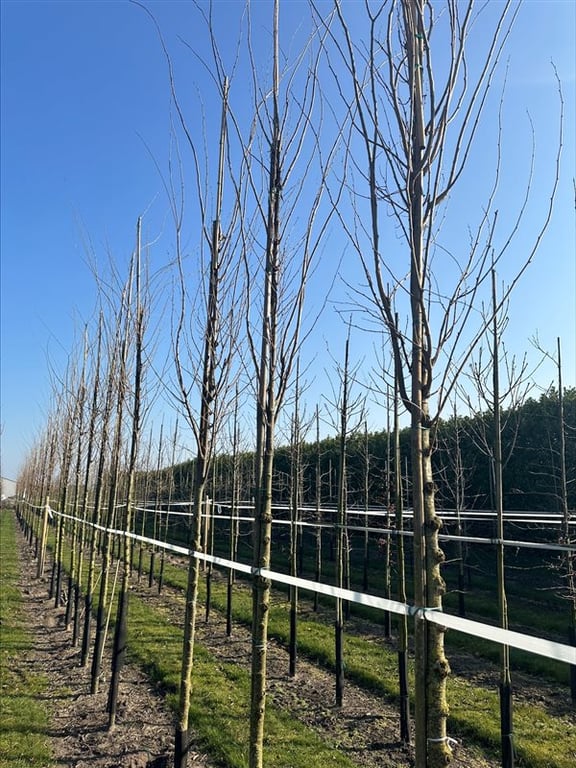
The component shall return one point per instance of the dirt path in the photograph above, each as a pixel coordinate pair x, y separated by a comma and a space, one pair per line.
144, 732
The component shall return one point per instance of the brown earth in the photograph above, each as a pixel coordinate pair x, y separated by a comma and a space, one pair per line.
79, 735
365, 728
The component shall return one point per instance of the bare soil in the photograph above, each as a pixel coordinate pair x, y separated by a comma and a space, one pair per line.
365, 728
144, 731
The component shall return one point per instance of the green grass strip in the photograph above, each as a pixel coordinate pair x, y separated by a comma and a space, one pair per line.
474, 711
219, 707
23, 722
220, 699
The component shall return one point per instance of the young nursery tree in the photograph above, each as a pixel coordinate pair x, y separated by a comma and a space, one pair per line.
218, 328
348, 415
118, 387
280, 245
138, 315
206, 333
415, 99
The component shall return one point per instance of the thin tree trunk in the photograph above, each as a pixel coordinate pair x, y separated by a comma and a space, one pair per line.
387, 538
318, 548
233, 515
401, 589
209, 548
459, 503
295, 503
365, 568
506, 729
120, 634
341, 541
157, 504
43, 538
168, 505
182, 739
203, 457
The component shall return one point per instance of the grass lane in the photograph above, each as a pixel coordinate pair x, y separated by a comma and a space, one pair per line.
474, 711
23, 721
219, 709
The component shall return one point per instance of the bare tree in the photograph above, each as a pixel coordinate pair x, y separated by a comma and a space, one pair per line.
278, 272
416, 122
138, 316
348, 412
205, 338
219, 334
117, 388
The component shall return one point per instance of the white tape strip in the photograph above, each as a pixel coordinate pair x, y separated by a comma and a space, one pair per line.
392, 532
537, 645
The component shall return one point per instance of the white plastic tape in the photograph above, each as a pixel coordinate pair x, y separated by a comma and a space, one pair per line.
540, 646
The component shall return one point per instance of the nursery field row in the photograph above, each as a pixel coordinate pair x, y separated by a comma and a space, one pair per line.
371, 662
524, 642
370, 667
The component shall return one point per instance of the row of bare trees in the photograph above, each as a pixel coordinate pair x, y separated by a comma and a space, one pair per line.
373, 119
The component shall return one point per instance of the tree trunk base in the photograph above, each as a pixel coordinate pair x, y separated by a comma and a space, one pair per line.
229, 608
293, 652
404, 698
506, 731
338, 636
181, 748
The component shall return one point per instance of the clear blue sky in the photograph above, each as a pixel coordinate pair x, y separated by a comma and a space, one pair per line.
85, 108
